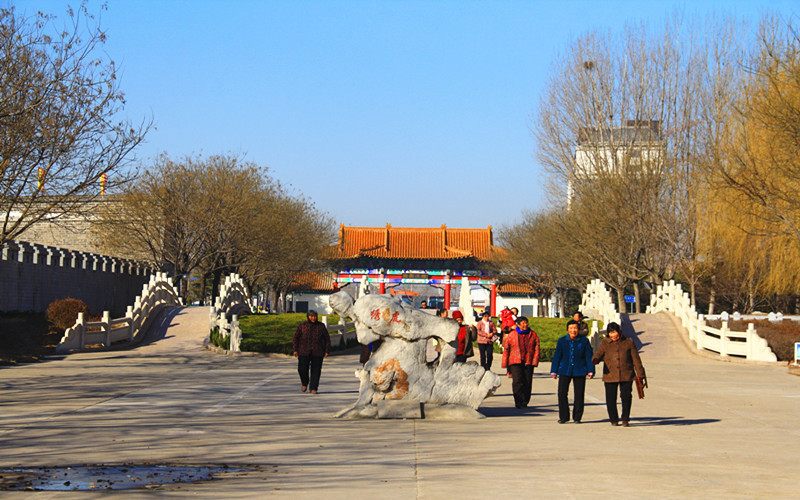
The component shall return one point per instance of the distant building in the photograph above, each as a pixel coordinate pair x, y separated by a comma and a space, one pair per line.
76, 231
617, 150
416, 264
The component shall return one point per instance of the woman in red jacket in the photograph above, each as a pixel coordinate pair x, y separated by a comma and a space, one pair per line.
521, 356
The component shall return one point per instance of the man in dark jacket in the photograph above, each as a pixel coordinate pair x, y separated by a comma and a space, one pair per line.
310, 345
572, 362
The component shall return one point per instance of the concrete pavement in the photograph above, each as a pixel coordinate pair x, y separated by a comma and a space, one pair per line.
705, 429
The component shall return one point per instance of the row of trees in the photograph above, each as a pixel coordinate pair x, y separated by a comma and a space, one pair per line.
61, 136
207, 217
679, 146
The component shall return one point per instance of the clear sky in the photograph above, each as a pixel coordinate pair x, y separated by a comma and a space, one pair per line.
414, 113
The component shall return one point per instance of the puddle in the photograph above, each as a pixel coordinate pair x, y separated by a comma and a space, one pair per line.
110, 477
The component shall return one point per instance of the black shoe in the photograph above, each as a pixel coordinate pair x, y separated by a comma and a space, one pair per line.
562, 421
577, 421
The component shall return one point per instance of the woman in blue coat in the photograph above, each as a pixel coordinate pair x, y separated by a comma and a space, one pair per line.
572, 362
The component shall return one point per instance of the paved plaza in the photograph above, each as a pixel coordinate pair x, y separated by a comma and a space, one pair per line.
707, 428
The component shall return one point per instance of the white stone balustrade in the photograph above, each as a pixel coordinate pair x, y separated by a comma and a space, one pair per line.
158, 293
671, 298
233, 298
341, 333
597, 302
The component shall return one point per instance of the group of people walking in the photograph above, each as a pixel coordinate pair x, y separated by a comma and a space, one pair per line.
573, 361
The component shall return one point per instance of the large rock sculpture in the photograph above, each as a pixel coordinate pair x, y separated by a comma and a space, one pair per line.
398, 369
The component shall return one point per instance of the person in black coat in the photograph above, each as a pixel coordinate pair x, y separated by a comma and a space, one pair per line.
310, 345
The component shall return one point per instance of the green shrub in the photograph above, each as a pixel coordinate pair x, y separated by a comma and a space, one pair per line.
274, 332
63, 313
219, 340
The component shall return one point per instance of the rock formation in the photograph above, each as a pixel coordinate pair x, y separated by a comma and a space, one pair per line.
397, 369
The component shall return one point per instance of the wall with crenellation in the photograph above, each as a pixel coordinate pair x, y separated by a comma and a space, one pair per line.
33, 275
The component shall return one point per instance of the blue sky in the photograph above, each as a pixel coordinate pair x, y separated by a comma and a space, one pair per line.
413, 113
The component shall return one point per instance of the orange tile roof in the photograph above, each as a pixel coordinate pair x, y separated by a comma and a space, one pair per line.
415, 243
516, 289
313, 282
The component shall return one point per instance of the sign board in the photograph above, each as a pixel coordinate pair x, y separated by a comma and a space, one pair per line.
797, 353
630, 299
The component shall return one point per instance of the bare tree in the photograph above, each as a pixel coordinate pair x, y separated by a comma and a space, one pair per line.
212, 215
60, 135
623, 125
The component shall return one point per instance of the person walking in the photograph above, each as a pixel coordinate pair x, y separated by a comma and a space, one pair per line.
310, 345
583, 328
621, 364
508, 320
466, 334
520, 357
572, 362
487, 332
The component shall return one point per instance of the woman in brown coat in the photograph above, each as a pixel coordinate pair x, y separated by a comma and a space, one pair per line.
621, 363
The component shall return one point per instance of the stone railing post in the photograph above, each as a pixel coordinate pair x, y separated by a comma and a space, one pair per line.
80, 323
236, 335
723, 337
106, 326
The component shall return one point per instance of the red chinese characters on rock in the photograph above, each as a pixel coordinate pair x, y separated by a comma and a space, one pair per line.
386, 315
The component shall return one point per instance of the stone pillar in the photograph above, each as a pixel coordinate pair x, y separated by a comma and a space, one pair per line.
447, 291
493, 300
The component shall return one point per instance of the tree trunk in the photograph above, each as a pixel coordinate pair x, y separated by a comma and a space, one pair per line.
215, 284
693, 289
203, 285
621, 300
712, 296
636, 295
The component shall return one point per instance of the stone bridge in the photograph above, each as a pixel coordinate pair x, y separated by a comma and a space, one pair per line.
706, 428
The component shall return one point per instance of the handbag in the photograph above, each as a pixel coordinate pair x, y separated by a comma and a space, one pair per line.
641, 384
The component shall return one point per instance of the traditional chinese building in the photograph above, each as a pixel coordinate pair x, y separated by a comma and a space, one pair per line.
439, 257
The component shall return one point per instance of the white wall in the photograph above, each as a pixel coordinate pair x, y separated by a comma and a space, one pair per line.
316, 301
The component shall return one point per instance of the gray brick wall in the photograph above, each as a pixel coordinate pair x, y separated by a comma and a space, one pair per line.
33, 275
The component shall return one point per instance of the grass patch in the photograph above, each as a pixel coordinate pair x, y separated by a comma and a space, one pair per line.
780, 335
549, 331
273, 332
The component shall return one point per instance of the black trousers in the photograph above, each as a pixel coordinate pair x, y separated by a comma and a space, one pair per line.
521, 384
625, 389
487, 354
579, 386
309, 368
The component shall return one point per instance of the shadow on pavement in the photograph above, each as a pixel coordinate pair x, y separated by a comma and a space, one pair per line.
647, 421
629, 331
